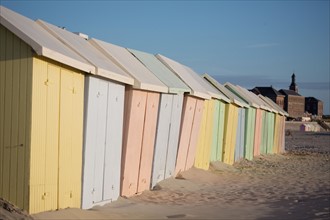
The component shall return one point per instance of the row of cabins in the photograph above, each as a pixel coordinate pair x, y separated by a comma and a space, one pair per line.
83, 121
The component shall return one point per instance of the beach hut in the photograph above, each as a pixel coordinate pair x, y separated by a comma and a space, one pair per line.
170, 110
191, 114
268, 128
41, 116
279, 132
240, 132
258, 120
140, 119
231, 120
250, 119
209, 131
104, 109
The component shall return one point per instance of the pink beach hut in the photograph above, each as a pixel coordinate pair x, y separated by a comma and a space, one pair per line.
140, 118
191, 114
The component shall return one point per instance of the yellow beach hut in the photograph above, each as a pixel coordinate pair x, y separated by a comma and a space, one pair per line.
41, 116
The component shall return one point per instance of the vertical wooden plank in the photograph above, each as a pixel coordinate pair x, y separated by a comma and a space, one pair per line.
14, 121
51, 145
70, 138
221, 131
135, 104
238, 136
148, 142
233, 133
8, 116
28, 136
215, 130
2, 99
100, 140
173, 141
194, 133
264, 133
258, 132
22, 117
209, 133
162, 139
90, 135
201, 137
115, 118
189, 104
38, 136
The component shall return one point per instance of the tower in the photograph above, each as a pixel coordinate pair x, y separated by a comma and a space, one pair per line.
293, 85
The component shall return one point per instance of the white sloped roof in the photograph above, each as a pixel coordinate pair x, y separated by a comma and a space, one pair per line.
196, 88
175, 84
256, 99
214, 93
275, 106
262, 98
104, 66
233, 98
143, 78
42, 42
241, 94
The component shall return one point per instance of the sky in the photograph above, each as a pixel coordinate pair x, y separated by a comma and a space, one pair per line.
248, 43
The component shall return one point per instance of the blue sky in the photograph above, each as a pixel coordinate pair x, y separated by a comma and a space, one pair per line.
250, 43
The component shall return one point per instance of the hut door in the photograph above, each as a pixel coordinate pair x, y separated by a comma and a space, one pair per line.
173, 141
70, 138
103, 141
44, 137
113, 140
162, 138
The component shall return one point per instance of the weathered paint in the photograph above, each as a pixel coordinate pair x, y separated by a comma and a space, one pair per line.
104, 104
204, 144
15, 118
239, 146
141, 110
231, 125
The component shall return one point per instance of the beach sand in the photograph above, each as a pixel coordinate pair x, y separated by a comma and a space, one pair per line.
294, 185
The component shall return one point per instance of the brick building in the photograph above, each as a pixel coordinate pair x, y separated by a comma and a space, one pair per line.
294, 103
314, 106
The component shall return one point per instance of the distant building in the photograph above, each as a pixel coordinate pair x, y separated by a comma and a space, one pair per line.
314, 106
271, 93
294, 103
291, 101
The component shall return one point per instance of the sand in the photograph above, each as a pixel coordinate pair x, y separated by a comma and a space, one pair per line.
294, 185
